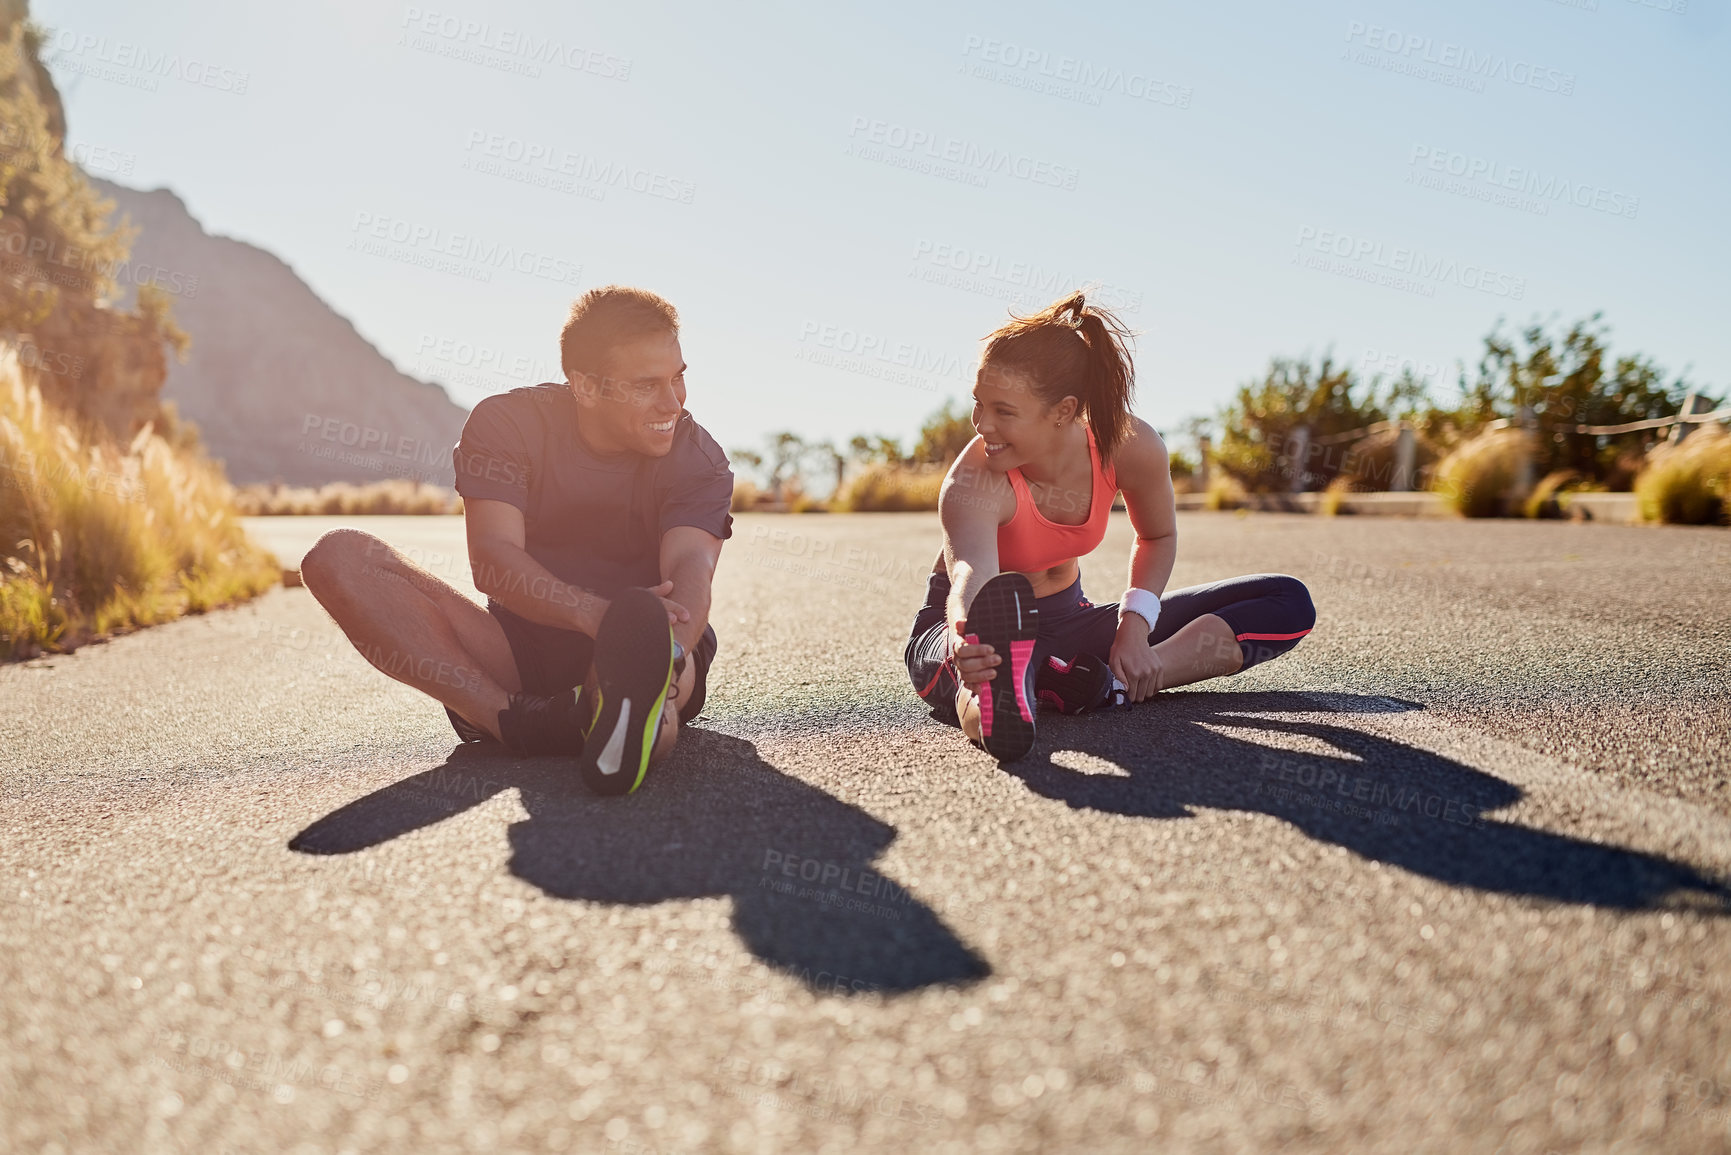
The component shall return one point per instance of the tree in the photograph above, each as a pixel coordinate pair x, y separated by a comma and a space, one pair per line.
1257, 428
943, 437
830, 458
57, 290
1563, 380
875, 450
782, 464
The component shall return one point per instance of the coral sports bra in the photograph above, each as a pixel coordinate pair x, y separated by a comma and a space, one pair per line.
1028, 543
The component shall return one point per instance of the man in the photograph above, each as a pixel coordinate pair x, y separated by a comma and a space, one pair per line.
595, 512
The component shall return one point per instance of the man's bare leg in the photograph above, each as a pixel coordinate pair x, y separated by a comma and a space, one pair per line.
412, 626
677, 695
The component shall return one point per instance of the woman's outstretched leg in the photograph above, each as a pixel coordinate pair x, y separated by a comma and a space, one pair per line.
1209, 631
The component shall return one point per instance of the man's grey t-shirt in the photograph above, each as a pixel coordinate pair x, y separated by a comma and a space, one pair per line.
593, 521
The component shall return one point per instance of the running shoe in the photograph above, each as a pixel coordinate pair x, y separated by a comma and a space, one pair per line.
535, 724
1005, 618
633, 666
1083, 683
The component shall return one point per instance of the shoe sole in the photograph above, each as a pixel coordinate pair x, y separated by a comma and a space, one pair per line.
1003, 616
633, 667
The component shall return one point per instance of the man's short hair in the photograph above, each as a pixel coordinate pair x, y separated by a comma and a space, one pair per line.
609, 316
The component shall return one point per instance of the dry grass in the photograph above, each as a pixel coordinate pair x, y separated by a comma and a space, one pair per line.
1224, 492
1549, 496
397, 496
1338, 489
1688, 484
98, 538
1479, 478
890, 489
745, 495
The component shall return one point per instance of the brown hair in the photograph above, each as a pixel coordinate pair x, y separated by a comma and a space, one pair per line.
605, 317
1072, 348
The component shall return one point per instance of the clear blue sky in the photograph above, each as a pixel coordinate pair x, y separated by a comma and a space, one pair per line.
1237, 176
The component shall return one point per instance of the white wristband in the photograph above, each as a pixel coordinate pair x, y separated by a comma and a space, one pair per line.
1142, 603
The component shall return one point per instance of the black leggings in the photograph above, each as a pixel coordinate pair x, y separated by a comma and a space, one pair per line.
1268, 613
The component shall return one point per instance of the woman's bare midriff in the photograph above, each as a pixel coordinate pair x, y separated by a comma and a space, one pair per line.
1055, 580
1045, 582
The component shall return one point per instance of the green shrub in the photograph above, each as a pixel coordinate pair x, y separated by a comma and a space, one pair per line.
1480, 477
1688, 484
1257, 428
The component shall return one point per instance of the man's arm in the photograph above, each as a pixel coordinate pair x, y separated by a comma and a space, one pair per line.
504, 571
688, 558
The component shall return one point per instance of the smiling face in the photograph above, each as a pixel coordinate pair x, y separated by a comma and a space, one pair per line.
634, 405
1016, 424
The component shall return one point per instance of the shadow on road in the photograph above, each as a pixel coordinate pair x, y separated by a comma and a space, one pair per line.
1381, 799
714, 820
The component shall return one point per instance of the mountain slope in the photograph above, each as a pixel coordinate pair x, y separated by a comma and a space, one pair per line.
281, 385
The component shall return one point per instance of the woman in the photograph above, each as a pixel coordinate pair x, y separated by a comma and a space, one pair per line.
1005, 625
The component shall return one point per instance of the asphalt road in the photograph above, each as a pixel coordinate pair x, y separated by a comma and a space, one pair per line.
1449, 877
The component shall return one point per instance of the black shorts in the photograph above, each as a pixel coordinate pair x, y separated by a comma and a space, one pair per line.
551, 661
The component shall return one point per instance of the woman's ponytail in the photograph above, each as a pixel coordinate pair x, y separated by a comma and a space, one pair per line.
1072, 348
